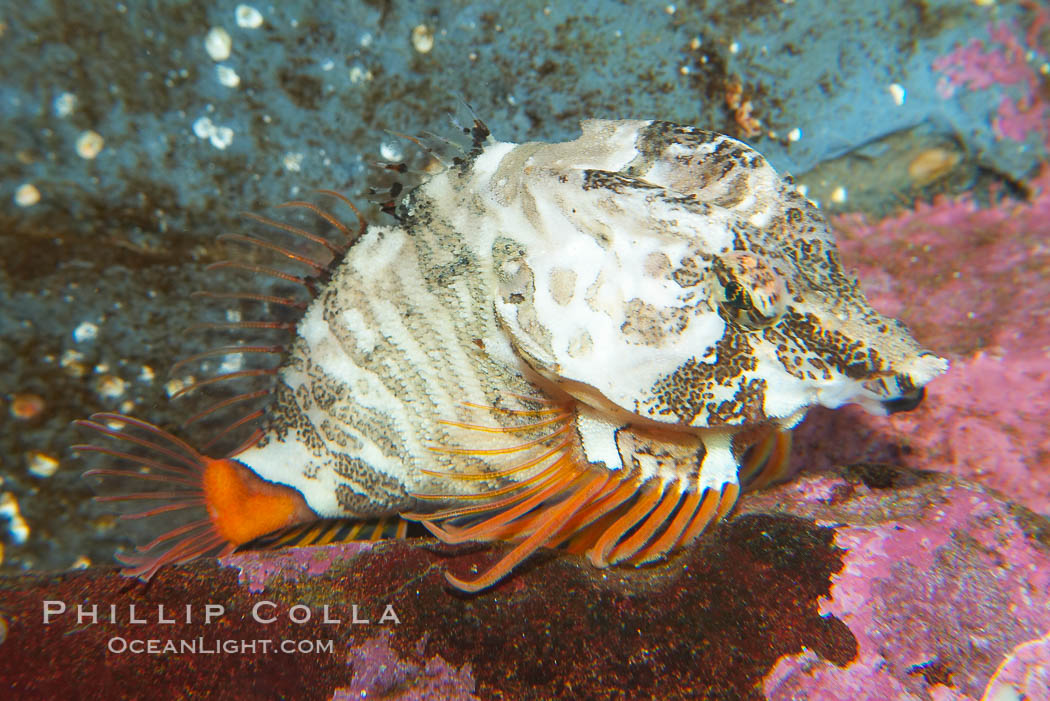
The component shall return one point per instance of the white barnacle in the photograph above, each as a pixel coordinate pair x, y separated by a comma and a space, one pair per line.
218, 44
248, 17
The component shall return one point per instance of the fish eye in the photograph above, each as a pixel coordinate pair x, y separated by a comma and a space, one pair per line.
751, 293
735, 297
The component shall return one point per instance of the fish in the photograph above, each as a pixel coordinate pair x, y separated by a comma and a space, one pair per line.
589, 345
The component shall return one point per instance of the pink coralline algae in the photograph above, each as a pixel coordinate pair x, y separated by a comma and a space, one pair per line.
380, 672
973, 283
936, 586
1002, 62
1025, 674
290, 564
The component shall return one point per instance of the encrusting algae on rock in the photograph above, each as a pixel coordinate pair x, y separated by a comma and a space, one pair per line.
587, 344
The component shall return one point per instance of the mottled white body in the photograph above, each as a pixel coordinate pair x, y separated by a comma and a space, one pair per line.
597, 273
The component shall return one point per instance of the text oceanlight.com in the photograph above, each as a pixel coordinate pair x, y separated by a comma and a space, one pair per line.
205, 646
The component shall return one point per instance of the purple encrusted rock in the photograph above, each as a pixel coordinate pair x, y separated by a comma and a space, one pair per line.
940, 580
1024, 674
380, 672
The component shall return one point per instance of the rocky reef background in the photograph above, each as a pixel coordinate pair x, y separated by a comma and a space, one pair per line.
132, 135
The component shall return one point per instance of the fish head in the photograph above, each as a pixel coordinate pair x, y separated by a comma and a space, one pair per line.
668, 274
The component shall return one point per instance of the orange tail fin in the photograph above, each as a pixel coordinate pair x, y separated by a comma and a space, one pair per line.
222, 504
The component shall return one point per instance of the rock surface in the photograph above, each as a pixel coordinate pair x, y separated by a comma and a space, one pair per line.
863, 582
